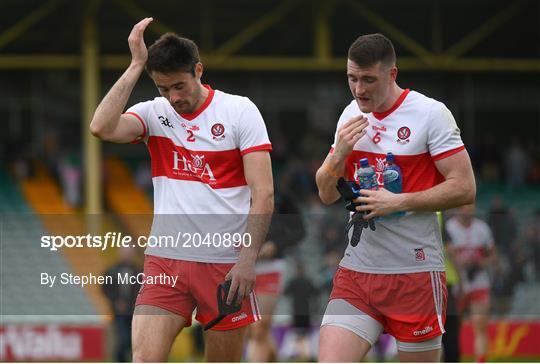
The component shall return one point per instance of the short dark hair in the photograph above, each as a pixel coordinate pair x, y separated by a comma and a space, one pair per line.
367, 50
172, 53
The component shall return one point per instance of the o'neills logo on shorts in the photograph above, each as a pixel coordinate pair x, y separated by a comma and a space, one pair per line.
426, 330
240, 317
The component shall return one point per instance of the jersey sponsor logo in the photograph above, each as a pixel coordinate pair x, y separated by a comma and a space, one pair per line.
419, 254
240, 317
165, 122
426, 330
419, 171
378, 128
190, 127
218, 168
403, 134
196, 165
380, 163
218, 131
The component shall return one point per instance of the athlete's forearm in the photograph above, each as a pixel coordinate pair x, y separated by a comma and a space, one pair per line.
327, 177
108, 112
260, 215
446, 195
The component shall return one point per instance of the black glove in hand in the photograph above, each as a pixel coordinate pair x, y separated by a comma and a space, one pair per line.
224, 308
349, 190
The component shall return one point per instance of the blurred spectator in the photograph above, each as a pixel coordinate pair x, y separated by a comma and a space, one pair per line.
450, 340
533, 176
516, 164
280, 147
51, 145
534, 172
471, 247
22, 166
285, 232
507, 274
503, 224
299, 177
20, 157
70, 178
143, 177
303, 294
331, 261
488, 159
122, 300
532, 243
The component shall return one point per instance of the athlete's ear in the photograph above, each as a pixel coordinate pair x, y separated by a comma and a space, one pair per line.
198, 70
393, 73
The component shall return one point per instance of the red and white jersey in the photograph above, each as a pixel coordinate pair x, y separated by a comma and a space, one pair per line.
471, 244
198, 173
419, 131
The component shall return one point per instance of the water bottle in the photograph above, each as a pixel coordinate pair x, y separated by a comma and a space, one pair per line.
367, 178
393, 180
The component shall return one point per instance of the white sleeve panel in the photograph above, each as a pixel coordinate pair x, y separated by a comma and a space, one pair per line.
443, 132
252, 134
143, 110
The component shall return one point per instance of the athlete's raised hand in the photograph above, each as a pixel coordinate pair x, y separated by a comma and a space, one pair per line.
139, 53
348, 134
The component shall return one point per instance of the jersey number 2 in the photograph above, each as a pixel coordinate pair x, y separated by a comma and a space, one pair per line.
191, 137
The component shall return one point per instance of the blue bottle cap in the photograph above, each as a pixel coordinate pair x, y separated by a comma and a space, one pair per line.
390, 158
364, 162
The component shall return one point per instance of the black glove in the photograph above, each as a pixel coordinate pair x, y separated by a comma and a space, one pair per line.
224, 309
349, 190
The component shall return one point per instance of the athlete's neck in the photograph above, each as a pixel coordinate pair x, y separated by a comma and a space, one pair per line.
393, 96
203, 95
465, 222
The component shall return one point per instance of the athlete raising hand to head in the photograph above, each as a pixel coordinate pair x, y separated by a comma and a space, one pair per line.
212, 176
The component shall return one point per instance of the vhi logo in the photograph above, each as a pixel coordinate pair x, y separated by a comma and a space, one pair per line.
196, 165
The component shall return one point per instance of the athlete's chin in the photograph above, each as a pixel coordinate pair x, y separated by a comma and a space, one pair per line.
364, 105
182, 108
